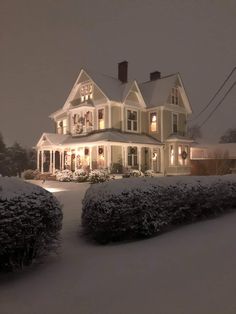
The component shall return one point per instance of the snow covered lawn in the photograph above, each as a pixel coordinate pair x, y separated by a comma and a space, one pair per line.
189, 270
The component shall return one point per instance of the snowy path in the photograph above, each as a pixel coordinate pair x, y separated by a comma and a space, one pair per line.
191, 270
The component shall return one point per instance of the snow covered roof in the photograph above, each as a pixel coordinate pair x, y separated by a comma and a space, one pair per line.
177, 137
49, 139
113, 136
156, 93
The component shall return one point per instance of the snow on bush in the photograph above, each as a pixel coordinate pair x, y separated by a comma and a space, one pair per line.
30, 221
142, 207
97, 176
64, 175
31, 174
80, 175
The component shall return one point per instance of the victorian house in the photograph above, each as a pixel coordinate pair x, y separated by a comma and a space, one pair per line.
118, 124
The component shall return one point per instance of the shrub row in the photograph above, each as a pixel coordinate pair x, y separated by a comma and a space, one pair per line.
112, 212
30, 221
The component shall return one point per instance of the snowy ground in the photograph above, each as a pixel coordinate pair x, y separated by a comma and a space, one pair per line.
190, 270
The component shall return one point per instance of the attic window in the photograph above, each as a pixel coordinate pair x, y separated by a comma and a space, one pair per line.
86, 92
175, 96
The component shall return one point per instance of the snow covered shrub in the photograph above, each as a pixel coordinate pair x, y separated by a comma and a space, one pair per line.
30, 174
142, 207
80, 175
30, 221
149, 173
64, 175
97, 176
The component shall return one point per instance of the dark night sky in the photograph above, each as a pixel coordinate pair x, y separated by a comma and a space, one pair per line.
45, 43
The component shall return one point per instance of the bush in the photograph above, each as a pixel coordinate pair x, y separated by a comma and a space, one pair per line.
30, 221
142, 207
80, 175
64, 175
98, 176
31, 174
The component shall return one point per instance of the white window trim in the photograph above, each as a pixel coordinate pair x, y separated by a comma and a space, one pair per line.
172, 120
169, 157
149, 121
126, 119
99, 108
82, 111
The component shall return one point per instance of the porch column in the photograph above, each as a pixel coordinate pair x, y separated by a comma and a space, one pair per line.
109, 157
162, 165
38, 160
151, 153
42, 153
139, 158
90, 158
50, 162
53, 162
60, 160
124, 161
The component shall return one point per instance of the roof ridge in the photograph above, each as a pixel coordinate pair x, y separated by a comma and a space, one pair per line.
163, 77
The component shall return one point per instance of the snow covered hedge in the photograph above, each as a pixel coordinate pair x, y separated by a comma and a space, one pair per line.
30, 221
142, 207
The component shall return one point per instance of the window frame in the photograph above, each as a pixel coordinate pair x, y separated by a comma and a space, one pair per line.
132, 121
104, 117
177, 122
150, 121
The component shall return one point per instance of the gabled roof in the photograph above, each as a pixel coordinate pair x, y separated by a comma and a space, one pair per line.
156, 92
48, 139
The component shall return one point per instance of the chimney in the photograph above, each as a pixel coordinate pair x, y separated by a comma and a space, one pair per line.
123, 71
155, 76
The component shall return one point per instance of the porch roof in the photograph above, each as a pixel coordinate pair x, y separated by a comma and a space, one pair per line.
109, 136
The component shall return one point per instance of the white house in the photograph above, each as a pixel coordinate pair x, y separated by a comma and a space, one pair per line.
118, 124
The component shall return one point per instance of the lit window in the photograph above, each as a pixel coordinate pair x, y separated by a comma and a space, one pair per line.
62, 126
101, 123
153, 121
82, 122
132, 123
174, 123
172, 155
182, 155
180, 159
132, 156
86, 92
175, 96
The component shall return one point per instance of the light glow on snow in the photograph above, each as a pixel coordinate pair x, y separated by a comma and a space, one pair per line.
54, 190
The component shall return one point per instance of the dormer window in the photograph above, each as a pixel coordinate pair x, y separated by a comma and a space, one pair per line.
175, 96
86, 92
132, 120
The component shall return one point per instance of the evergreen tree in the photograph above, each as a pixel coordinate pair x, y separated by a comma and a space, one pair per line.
229, 136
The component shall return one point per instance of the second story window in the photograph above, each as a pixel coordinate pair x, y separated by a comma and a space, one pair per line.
62, 126
86, 92
101, 121
175, 96
174, 123
132, 120
153, 122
